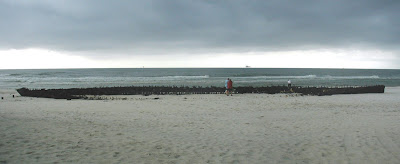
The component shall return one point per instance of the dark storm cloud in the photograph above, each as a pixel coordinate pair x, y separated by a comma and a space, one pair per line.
207, 25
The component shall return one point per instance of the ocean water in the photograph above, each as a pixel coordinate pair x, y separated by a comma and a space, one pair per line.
81, 78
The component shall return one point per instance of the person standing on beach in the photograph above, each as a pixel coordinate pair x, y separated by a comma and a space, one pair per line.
230, 87
226, 86
289, 83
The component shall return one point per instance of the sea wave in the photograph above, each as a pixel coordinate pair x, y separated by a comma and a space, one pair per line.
4, 75
350, 77
131, 79
15, 81
310, 77
14, 74
185, 77
278, 77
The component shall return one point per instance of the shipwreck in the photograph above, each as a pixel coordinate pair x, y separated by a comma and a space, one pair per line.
78, 93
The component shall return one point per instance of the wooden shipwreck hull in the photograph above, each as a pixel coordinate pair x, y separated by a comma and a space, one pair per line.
76, 93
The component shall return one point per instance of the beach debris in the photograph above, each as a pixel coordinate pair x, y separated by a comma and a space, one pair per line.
116, 154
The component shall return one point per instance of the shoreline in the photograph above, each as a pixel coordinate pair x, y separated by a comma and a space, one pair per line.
243, 128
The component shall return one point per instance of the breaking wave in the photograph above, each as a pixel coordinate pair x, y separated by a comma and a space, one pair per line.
351, 77
185, 77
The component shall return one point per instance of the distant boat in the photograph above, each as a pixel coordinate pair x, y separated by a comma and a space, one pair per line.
248, 66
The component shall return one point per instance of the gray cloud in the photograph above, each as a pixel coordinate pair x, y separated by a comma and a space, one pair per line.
198, 25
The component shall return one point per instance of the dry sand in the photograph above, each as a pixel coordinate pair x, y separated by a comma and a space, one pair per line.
249, 128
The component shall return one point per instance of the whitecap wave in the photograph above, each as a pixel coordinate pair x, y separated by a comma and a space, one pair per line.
185, 77
278, 77
350, 77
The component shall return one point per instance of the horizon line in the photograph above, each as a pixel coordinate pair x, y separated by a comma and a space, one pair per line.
193, 68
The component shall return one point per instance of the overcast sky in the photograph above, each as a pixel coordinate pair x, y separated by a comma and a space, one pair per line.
200, 33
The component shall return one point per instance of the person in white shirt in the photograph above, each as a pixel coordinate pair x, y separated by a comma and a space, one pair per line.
226, 86
289, 83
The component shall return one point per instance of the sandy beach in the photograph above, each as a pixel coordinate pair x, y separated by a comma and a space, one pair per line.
245, 128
